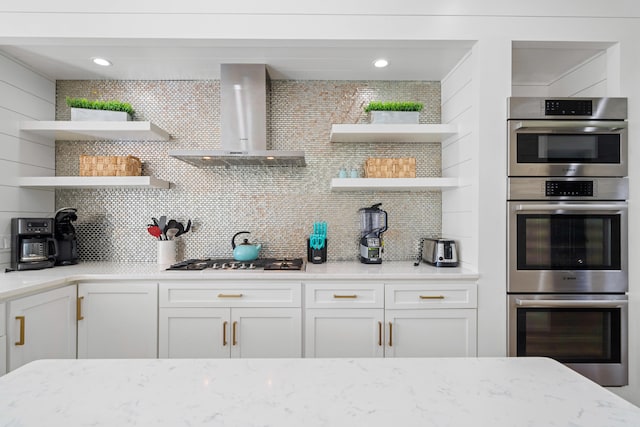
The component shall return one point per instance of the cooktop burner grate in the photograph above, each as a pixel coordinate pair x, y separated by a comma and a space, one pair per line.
232, 264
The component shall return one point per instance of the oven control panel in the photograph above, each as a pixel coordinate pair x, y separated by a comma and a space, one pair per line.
568, 107
569, 188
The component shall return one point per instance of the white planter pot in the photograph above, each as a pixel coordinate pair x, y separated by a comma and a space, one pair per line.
88, 115
404, 117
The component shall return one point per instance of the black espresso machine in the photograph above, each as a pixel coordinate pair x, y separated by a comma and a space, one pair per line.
33, 246
65, 235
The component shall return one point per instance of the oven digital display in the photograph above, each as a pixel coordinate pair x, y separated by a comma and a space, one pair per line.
568, 107
569, 188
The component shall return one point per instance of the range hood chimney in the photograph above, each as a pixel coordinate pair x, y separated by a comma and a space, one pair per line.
244, 97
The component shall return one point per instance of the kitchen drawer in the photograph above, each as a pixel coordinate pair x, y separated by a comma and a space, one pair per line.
344, 295
229, 294
3, 316
437, 295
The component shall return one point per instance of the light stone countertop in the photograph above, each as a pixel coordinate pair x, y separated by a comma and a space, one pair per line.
17, 283
437, 392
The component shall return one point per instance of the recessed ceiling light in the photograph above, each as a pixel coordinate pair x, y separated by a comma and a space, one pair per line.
380, 63
101, 61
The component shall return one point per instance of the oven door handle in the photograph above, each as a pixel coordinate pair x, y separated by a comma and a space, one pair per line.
582, 126
571, 207
571, 303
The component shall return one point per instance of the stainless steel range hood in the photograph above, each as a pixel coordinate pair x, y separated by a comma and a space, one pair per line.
244, 92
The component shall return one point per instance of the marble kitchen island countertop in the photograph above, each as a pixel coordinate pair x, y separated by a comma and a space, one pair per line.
495, 392
17, 283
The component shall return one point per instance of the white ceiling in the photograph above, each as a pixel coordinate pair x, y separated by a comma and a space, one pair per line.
141, 59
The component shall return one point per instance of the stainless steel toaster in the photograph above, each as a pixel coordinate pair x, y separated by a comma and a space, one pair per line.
440, 252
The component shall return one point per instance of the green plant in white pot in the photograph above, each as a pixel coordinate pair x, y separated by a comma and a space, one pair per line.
407, 112
83, 109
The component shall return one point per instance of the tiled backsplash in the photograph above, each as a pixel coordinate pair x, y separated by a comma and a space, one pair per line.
276, 204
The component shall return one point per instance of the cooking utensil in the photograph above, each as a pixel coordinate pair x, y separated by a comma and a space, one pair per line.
319, 235
155, 231
162, 223
171, 233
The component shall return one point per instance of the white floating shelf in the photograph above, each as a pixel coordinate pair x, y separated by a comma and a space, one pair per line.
393, 184
92, 182
391, 132
96, 131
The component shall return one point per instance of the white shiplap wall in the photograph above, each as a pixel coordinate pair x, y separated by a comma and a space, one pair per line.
24, 95
459, 206
586, 79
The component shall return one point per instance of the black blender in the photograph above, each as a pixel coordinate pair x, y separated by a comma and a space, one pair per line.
373, 222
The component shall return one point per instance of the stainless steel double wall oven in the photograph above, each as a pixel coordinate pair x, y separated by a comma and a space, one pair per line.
567, 233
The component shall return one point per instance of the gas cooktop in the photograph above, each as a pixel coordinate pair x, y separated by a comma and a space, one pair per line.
232, 264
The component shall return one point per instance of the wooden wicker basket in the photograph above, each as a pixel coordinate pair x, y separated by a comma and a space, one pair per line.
401, 167
110, 166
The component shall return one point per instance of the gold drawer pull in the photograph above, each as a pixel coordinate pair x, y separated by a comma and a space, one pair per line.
345, 296
21, 320
234, 340
229, 295
79, 315
224, 332
431, 296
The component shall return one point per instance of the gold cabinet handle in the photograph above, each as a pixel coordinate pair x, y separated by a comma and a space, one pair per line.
345, 296
229, 295
390, 334
224, 332
380, 334
21, 320
431, 296
235, 342
79, 315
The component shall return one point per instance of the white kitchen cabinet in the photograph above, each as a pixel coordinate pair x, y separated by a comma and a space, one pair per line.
229, 332
117, 320
42, 326
344, 332
430, 333
414, 319
230, 319
3, 340
344, 319
193, 332
430, 320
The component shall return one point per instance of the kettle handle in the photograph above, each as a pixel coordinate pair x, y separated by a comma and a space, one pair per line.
233, 239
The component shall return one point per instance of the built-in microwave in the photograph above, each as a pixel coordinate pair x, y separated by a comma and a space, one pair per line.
567, 137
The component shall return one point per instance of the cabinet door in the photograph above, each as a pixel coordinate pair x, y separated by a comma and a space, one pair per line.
430, 333
3, 355
194, 333
118, 320
344, 333
266, 332
3, 341
42, 326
